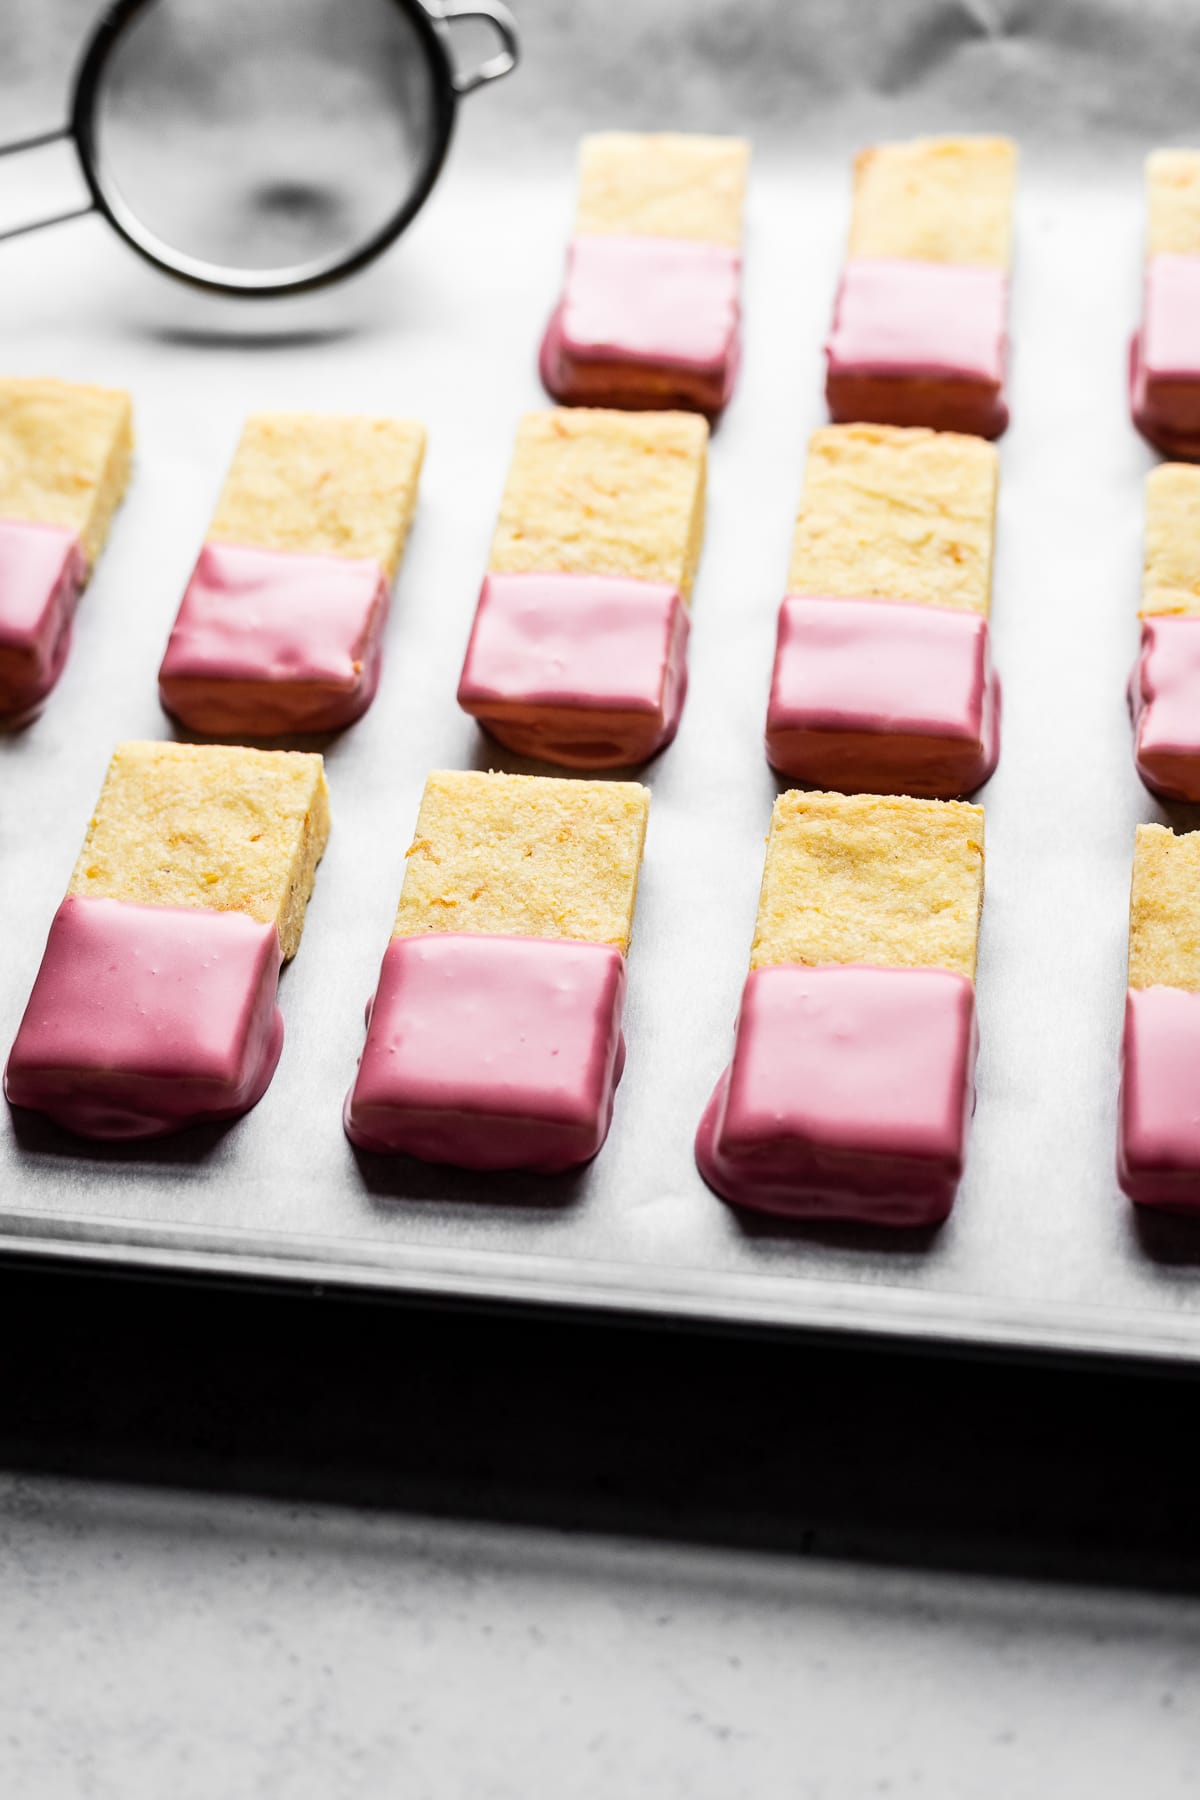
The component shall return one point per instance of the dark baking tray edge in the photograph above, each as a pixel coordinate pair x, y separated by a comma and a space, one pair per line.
630, 1293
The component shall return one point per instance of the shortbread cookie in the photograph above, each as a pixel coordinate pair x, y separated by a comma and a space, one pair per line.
883, 678
1164, 689
578, 653
1164, 360
651, 306
65, 452
281, 627
1158, 1150
494, 1038
850, 1091
154, 1006
920, 324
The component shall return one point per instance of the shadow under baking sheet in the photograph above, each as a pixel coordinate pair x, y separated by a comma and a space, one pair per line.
1172, 1239
37, 1135
395, 1179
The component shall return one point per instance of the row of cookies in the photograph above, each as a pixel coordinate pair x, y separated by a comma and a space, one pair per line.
882, 680
281, 626
1158, 1157
650, 311
578, 650
494, 1035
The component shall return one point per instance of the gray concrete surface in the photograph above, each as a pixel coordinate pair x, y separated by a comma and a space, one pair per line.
157, 1645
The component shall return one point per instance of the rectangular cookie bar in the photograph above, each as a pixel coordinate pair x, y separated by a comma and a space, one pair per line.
65, 453
883, 679
651, 305
920, 324
851, 1087
281, 627
1164, 358
154, 1006
578, 652
494, 1038
1164, 689
1158, 1145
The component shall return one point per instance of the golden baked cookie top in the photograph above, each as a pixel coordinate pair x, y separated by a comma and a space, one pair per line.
65, 454
1164, 909
525, 856
322, 484
860, 878
936, 199
662, 184
1171, 563
209, 825
593, 492
894, 513
1173, 203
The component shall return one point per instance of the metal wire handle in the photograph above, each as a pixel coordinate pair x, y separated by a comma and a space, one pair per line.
498, 16
15, 148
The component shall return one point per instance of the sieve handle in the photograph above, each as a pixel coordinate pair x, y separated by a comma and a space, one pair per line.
502, 22
16, 147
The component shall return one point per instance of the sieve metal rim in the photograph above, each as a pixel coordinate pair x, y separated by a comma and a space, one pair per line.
431, 20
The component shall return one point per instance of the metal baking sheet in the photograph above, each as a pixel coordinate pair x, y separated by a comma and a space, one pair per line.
1042, 1251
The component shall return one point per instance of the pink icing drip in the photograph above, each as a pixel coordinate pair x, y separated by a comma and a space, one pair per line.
1171, 316
270, 641
589, 671
849, 1095
144, 1019
650, 319
1164, 357
916, 343
894, 317
1158, 1141
491, 1052
1164, 701
42, 572
883, 696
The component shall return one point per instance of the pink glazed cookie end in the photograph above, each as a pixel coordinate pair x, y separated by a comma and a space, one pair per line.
884, 697
849, 1095
645, 322
916, 343
586, 671
1164, 704
1158, 1142
144, 1019
491, 1052
1164, 358
42, 573
271, 642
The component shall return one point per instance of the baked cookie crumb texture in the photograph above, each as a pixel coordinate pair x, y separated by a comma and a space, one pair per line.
154, 1006
851, 1088
494, 1037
